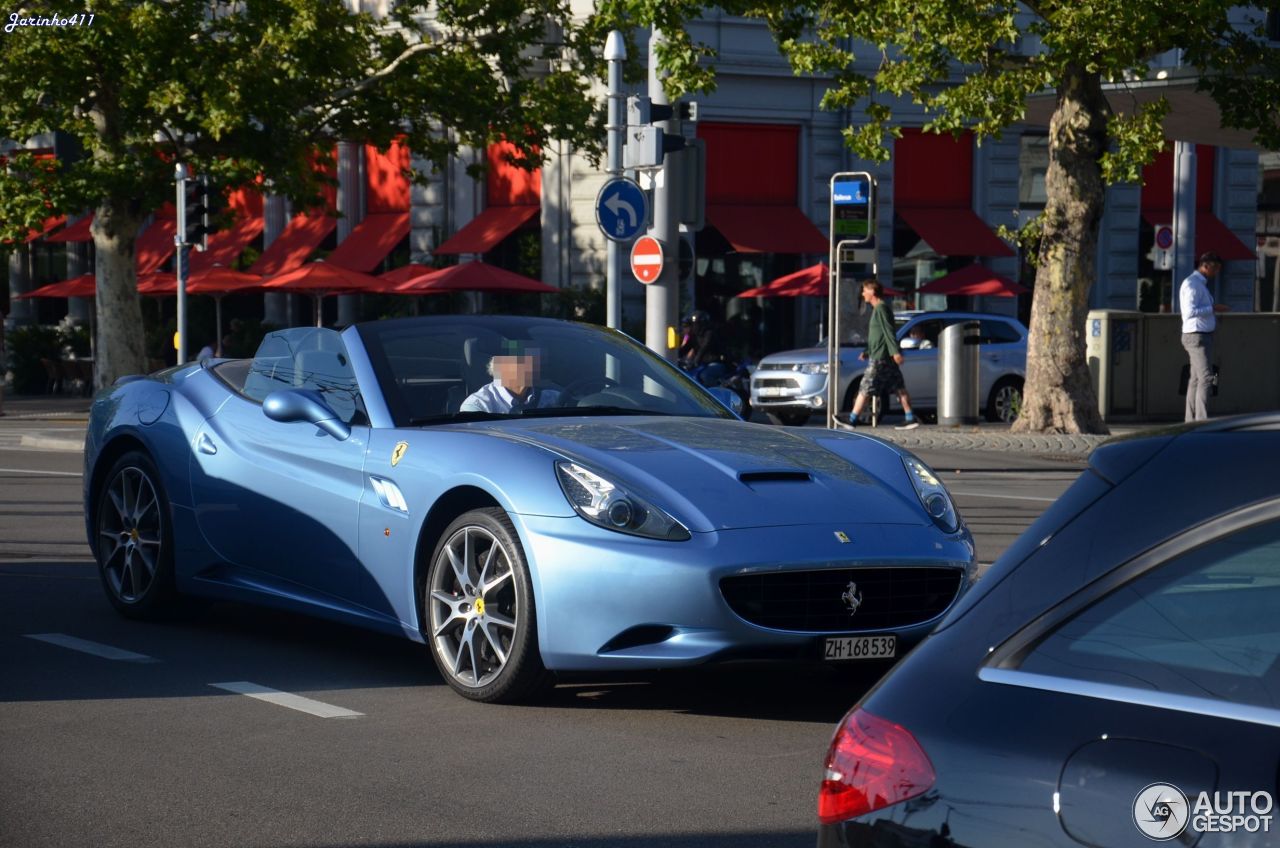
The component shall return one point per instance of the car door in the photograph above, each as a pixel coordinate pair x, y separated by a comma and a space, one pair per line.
281, 498
920, 365
1003, 352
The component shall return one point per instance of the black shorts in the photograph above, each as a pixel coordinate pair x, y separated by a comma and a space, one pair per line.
883, 376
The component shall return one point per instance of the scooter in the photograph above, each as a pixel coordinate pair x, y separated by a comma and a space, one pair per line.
735, 377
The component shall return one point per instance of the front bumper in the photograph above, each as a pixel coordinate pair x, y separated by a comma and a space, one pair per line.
610, 601
771, 389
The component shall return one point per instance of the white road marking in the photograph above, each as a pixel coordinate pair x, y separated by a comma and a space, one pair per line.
95, 648
286, 699
1004, 497
40, 473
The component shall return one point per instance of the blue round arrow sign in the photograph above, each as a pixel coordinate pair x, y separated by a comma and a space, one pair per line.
622, 209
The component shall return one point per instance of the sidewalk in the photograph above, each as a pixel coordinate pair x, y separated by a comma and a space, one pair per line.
57, 423
44, 422
997, 438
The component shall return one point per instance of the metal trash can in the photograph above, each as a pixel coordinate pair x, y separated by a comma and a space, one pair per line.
958, 373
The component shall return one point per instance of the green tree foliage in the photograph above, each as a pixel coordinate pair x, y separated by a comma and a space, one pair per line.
257, 88
970, 65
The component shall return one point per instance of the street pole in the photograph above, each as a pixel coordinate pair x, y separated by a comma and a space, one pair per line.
661, 296
615, 53
181, 175
1184, 214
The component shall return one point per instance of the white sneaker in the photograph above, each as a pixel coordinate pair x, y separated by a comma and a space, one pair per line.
908, 425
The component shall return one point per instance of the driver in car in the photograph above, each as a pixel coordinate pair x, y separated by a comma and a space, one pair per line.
514, 386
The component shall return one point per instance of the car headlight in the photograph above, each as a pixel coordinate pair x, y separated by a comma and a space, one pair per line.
933, 495
608, 505
812, 368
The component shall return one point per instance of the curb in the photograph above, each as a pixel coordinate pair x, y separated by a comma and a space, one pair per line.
1060, 446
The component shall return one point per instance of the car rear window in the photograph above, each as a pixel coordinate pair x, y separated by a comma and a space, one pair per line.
1202, 624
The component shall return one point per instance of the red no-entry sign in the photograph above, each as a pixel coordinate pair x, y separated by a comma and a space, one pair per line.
646, 259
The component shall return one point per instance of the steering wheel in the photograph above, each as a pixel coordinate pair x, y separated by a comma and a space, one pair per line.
584, 386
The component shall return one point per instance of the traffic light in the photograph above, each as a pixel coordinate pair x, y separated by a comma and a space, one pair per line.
646, 146
199, 204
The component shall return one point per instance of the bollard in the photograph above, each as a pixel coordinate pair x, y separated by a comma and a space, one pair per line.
958, 374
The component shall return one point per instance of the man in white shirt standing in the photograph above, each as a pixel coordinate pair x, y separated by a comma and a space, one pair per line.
1199, 322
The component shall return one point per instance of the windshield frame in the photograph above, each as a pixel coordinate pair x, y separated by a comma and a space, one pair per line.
374, 334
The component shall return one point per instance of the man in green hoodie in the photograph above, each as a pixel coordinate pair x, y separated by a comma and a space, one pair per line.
883, 358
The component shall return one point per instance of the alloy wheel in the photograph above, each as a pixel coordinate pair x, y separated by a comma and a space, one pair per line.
1007, 400
130, 534
474, 609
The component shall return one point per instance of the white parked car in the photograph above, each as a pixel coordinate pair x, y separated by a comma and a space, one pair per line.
791, 385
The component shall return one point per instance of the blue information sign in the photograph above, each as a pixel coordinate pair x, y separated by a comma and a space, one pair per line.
622, 209
851, 207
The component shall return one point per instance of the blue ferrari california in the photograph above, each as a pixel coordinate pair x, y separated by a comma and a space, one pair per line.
525, 496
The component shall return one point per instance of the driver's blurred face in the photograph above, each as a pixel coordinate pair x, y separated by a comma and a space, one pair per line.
517, 371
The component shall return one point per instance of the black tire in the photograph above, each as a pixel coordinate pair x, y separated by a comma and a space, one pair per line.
789, 419
1005, 400
484, 639
133, 542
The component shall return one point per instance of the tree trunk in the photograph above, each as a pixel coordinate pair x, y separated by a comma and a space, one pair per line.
1058, 396
121, 342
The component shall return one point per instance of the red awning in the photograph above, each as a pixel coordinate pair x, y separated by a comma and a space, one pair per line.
292, 247
155, 245
226, 246
767, 229
954, 231
488, 228
79, 231
46, 227
1211, 234
371, 241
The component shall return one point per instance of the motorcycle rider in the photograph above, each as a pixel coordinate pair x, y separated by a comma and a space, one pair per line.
702, 344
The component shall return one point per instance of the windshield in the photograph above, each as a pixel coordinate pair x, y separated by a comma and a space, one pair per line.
446, 369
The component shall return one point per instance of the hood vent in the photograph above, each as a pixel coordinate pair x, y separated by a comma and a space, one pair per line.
782, 476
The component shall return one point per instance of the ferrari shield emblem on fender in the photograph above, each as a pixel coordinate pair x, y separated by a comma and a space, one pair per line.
398, 453
843, 537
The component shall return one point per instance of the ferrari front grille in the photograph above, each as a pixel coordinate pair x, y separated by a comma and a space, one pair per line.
842, 599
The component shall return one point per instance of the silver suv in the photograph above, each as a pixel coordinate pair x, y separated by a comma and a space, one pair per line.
792, 385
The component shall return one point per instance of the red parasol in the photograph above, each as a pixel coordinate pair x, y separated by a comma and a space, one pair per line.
320, 278
473, 276
84, 285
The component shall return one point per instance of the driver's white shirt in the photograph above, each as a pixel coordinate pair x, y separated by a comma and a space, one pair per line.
494, 397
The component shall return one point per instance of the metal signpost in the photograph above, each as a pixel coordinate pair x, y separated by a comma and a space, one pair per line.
181, 175
615, 53
852, 221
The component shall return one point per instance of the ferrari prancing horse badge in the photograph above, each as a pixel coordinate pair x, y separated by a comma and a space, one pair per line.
398, 453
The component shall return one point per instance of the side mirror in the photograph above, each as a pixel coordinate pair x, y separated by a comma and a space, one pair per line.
305, 405
728, 397
909, 343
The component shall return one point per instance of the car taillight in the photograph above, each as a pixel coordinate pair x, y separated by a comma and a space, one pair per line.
872, 764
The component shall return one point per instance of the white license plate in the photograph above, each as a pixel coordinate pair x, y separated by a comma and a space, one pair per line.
770, 391
862, 648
